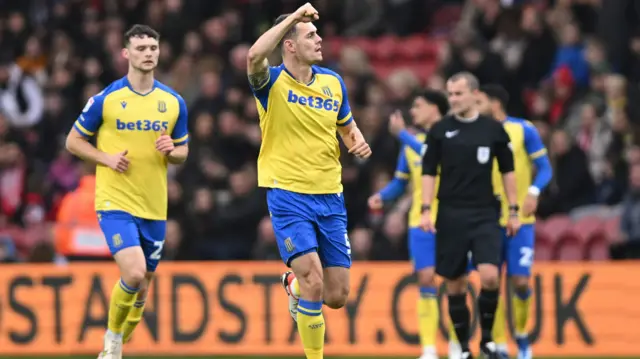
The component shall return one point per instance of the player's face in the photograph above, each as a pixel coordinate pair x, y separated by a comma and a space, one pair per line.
484, 104
307, 43
421, 112
142, 53
461, 98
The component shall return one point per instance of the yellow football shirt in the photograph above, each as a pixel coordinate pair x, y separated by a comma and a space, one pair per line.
526, 146
300, 150
409, 167
126, 120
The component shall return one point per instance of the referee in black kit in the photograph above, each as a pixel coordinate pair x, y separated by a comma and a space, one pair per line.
463, 146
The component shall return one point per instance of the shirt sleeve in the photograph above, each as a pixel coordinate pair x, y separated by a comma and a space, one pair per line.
90, 119
410, 140
533, 142
504, 151
344, 112
396, 187
432, 154
180, 134
261, 91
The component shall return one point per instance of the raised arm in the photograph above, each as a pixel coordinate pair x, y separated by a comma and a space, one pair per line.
257, 64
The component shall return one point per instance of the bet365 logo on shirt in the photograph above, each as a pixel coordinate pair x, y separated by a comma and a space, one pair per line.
314, 102
142, 125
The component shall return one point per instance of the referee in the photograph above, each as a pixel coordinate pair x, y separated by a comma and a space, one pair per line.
463, 146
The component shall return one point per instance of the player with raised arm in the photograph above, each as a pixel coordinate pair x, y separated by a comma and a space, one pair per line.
301, 106
141, 127
518, 251
428, 107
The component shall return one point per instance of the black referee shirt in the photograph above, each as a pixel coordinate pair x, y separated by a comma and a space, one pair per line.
465, 150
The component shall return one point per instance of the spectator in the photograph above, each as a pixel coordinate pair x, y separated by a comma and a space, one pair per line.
572, 185
628, 245
21, 99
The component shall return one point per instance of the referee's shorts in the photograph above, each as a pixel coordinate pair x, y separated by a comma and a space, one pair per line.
460, 230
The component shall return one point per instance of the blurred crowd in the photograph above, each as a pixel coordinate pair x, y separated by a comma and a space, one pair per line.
570, 66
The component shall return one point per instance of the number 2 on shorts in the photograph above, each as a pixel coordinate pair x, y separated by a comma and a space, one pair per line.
157, 254
526, 257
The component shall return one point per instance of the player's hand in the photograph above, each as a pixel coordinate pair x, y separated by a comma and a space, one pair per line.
530, 205
360, 147
425, 222
375, 201
118, 162
164, 143
396, 123
513, 226
306, 13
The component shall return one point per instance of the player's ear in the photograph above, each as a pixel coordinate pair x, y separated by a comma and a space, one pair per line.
125, 53
289, 45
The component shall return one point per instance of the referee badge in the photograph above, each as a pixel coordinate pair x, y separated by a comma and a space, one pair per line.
483, 154
162, 106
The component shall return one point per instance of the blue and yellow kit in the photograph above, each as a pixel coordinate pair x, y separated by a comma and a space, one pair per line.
299, 162
134, 203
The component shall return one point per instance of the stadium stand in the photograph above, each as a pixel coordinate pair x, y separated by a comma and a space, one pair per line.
548, 54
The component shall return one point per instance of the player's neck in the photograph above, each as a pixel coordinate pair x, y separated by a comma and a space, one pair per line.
140, 82
300, 72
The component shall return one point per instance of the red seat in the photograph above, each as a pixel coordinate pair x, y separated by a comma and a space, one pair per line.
598, 248
333, 46
386, 48
423, 70
556, 226
383, 70
544, 250
414, 48
366, 44
588, 227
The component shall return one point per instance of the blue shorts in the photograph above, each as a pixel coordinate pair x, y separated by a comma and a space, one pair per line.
422, 248
518, 251
305, 223
123, 230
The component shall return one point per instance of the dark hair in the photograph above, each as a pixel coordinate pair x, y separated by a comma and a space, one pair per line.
496, 92
138, 30
436, 98
471, 79
289, 33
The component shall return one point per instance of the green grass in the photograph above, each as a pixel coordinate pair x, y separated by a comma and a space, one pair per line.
273, 357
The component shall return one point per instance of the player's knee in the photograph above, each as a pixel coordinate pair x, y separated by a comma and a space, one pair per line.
336, 297
489, 276
311, 283
144, 286
426, 278
520, 284
457, 286
134, 275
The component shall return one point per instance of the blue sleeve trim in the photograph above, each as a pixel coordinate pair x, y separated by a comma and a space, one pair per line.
262, 93
75, 127
180, 129
544, 172
393, 189
410, 140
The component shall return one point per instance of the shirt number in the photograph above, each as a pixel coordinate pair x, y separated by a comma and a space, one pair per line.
526, 257
157, 254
